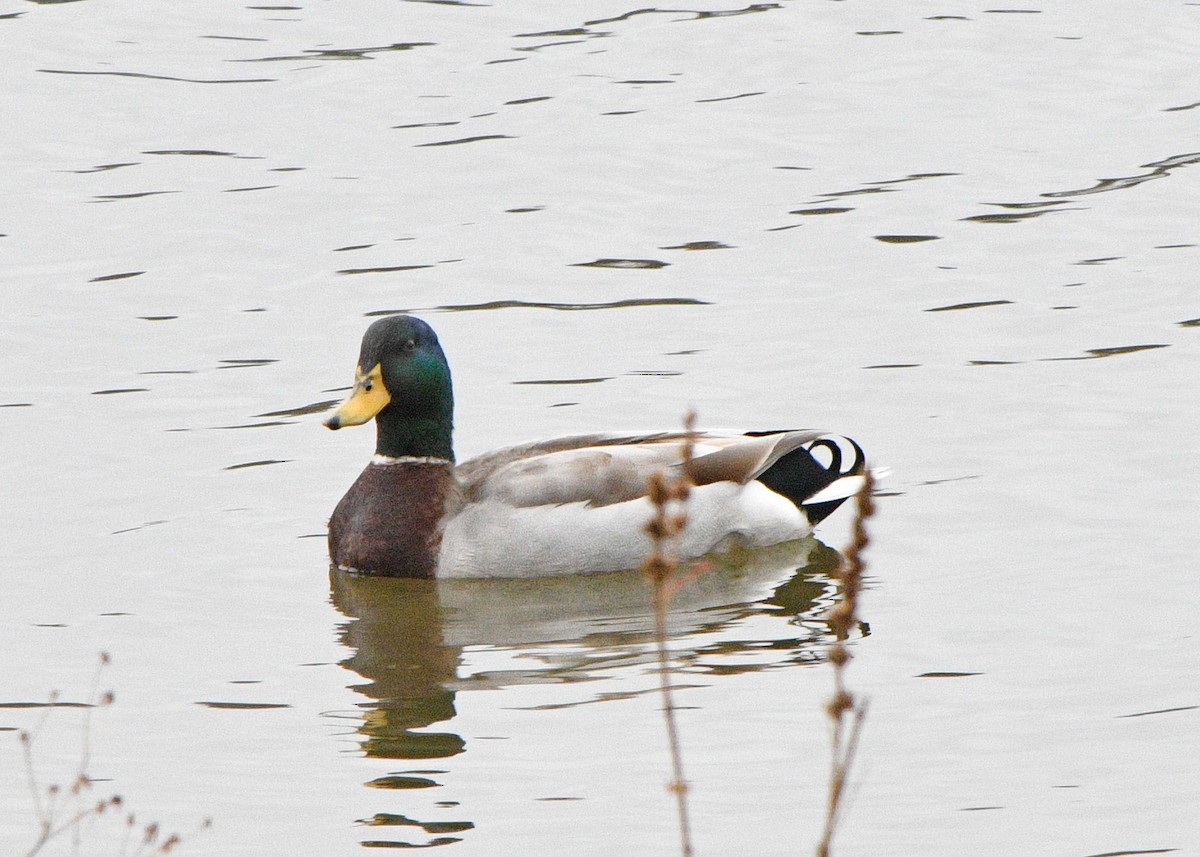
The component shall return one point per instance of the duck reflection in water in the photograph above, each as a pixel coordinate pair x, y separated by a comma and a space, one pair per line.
407, 637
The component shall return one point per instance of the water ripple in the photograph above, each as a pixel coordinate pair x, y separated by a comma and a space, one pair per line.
160, 76
1096, 353
569, 307
474, 139
968, 305
341, 53
646, 264
1155, 170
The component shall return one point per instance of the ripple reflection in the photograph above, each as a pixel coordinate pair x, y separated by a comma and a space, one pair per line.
413, 643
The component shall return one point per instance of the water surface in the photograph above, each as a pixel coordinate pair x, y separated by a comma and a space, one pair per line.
964, 234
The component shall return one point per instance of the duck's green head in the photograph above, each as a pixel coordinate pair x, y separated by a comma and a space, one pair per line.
403, 381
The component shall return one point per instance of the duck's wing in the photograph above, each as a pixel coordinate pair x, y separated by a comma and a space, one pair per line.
603, 469
597, 469
578, 505
476, 471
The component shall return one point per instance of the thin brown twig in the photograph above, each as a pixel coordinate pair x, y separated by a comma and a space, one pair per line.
43, 810
846, 711
669, 497
68, 810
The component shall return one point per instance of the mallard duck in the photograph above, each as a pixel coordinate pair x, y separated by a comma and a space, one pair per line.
573, 505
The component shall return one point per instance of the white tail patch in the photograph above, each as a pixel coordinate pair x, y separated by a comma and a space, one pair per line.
846, 487
839, 489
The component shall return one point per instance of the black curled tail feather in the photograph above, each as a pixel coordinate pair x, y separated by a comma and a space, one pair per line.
800, 474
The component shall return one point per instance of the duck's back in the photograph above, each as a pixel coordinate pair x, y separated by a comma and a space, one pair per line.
578, 505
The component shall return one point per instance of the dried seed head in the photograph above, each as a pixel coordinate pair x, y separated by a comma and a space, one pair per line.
838, 656
656, 565
839, 704
840, 616
657, 488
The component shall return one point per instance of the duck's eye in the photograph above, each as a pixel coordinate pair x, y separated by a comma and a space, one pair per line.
410, 344
368, 385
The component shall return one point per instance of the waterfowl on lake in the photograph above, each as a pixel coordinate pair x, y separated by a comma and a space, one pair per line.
573, 505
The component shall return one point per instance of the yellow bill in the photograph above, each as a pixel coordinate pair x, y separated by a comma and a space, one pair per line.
369, 397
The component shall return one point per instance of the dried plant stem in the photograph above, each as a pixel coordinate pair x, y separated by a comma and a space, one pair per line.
669, 496
678, 785
846, 712
66, 810
50, 823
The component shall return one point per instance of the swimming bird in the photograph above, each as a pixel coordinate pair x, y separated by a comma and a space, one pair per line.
573, 505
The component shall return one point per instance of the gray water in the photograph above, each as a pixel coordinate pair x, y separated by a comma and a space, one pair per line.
964, 234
